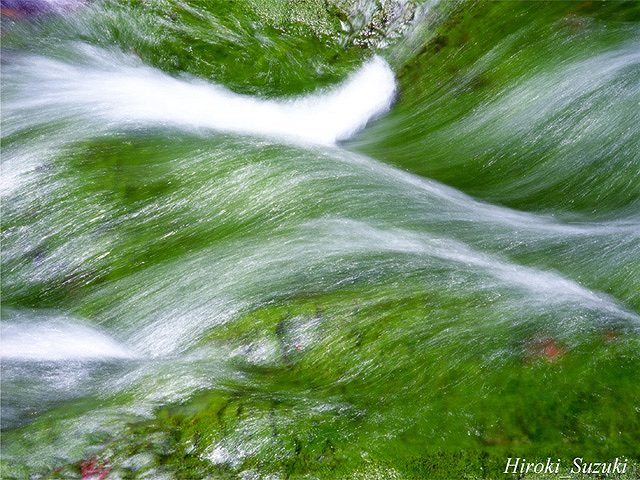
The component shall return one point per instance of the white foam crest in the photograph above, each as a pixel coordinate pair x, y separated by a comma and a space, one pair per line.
120, 91
58, 340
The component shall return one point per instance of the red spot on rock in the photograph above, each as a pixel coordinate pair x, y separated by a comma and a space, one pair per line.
92, 470
551, 350
547, 349
611, 336
11, 13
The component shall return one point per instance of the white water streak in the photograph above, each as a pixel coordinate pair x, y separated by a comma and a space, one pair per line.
120, 91
58, 340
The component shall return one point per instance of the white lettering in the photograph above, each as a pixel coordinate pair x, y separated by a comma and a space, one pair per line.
509, 465
577, 462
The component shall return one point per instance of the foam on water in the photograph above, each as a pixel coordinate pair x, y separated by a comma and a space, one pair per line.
58, 340
117, 90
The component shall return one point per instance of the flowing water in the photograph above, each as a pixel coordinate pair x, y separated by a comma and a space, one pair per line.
318, 240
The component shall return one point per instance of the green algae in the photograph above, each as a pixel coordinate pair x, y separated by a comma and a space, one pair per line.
457, 82
348, 364
287, 416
